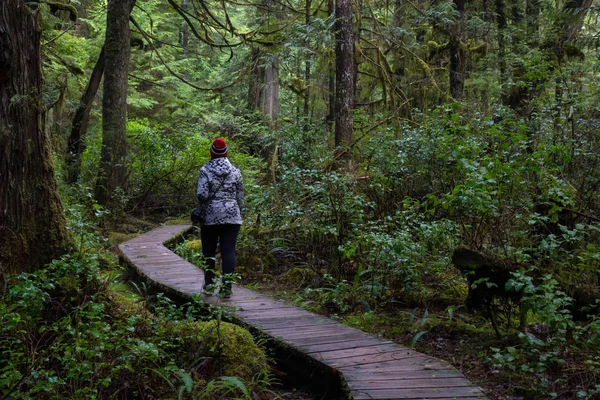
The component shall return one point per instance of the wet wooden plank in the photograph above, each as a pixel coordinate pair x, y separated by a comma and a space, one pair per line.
346, 344
297, 323
338, 354
419, 383
271, 314
359, 374
304, 340
417, 393
415, 364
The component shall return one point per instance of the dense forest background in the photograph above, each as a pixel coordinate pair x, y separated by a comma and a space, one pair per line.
425, 170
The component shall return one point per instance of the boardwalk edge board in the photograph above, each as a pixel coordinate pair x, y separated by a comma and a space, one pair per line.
339, 361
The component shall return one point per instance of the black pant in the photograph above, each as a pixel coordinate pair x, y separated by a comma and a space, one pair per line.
224, 235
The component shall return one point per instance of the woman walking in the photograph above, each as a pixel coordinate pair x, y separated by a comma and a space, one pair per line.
220, 193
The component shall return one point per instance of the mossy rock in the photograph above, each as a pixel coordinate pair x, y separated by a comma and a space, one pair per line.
118, 237
232, 347
127, 304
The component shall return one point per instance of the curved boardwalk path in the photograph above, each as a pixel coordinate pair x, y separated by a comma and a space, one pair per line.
371, 367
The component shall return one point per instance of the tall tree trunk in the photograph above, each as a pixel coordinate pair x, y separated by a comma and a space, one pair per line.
269, 99
113, 163
184, 36
458, 56
255, 80
80, 121
501, 24
307, 16
263, 86
32, 223
344, 78
331, 79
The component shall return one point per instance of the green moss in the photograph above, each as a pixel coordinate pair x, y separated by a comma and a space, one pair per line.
181, 221
118, 237
126, 302
232, 347
194, 245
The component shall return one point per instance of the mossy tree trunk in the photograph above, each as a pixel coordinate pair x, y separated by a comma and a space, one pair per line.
344, 79
458, 56
330, 118
32, 222
113, 158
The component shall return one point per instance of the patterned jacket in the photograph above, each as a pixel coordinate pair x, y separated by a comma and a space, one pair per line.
220, 192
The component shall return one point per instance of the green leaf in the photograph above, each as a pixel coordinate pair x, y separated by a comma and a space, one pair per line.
414, 340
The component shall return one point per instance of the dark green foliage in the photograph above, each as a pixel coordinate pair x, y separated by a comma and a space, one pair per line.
66, 332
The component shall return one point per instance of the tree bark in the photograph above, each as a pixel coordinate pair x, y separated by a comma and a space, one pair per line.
80, 121
113, 163
269, 99
254, 81
501, 24
344, 79
458, 56
331, 80
263, 86
307, 16
32, 222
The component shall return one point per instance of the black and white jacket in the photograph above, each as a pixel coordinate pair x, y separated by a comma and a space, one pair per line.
220, 192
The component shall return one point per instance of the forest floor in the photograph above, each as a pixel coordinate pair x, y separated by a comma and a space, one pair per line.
460, 340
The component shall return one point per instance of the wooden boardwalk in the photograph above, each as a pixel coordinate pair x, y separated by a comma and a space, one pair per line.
372, 368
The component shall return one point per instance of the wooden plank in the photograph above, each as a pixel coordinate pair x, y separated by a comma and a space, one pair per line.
245, 305
346, 344
297, 323
361, 375
302, 339
437, 383
174, 273
274, 313
424, 393
400, 357
338, 354
172, 265
423, 364
321, 329
272, 317
294, 331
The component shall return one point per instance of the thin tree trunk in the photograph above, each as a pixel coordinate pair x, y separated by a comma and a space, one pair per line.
501, 23
307, 60
113, 163
331, 79
255, 80
345, 79
184, 36
269, 104
458, 55
32, 223
80, 121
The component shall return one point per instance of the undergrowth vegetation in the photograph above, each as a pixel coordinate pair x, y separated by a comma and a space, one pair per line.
81, 329
381, 238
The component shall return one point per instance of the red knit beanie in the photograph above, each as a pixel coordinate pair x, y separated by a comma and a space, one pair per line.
218, 148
